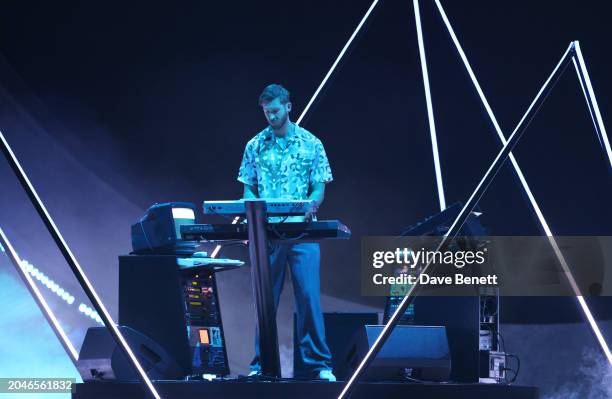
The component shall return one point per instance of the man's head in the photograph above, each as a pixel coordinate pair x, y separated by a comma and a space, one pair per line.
274, 101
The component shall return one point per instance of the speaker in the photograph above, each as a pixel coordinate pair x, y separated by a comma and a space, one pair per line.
419, 352
339, 328
460, 316
101, 358
152, 301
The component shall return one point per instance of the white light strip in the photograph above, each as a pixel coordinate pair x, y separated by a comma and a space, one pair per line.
500, 134
591, 93
81, 273
218, 247
471, 72
335, 64
544, 225
47, 282
65, 295
586, 97
523, 181
91, 313
583, 305
57, 328
430, 115
216, 251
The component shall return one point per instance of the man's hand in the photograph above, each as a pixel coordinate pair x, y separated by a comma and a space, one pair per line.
312, 214
317, 194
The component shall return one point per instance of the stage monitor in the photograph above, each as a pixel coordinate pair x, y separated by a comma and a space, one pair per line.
158, 231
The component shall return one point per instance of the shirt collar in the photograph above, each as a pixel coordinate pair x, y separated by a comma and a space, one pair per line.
291, 136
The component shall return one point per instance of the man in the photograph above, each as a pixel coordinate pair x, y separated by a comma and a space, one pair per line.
286, 161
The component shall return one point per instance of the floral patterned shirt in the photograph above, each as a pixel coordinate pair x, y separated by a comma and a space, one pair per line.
284, 167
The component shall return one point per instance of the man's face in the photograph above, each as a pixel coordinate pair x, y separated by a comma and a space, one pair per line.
276, 113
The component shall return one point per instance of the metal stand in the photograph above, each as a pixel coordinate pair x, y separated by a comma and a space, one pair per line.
269, 357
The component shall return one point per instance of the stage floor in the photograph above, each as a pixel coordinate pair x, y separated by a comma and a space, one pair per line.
296, 390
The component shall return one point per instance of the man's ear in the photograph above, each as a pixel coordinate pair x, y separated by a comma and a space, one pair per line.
288, 106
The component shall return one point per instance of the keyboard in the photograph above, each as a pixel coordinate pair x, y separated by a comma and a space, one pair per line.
273, 207
321, 229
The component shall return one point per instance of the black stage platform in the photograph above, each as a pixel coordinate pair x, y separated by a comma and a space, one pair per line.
297, 390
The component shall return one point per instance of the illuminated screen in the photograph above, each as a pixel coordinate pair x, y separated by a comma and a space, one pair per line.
183, 213
182, 216
204, 339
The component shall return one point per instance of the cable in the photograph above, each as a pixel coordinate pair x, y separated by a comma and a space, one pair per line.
294, 209
283, 237
515, 372
506, 356
413, 380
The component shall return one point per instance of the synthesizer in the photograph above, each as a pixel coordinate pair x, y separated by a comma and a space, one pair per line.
440, 223
273, 207
321, 229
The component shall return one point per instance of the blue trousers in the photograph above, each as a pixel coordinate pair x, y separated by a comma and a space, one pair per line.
304, 261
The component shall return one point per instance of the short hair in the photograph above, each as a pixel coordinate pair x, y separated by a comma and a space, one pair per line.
274, 91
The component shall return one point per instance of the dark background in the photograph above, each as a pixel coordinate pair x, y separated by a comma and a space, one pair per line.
158, 100
175, 91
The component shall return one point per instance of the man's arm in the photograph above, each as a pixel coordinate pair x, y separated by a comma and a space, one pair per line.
317, 194
320, 174
250, 191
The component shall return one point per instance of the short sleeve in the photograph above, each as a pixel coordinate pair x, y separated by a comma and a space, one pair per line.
321, 171
247, 173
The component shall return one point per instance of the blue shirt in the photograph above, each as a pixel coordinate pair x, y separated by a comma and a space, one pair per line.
284, 167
